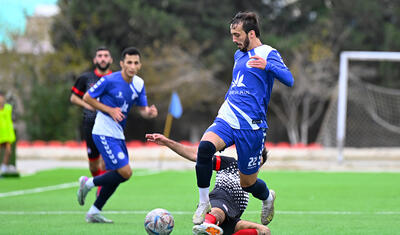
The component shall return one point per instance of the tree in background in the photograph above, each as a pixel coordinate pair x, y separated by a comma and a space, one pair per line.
187, 48
40, 83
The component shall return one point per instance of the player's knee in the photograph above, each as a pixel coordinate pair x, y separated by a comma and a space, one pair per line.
205, 151
93, 166
125, 172
246, 182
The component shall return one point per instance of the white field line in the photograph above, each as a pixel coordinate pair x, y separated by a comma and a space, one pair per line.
60, 186
191, 212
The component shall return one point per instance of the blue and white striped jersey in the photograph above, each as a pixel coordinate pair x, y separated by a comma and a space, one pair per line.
112, 90
246, 102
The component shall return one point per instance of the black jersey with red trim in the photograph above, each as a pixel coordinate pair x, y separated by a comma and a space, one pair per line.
227, 179
84, 82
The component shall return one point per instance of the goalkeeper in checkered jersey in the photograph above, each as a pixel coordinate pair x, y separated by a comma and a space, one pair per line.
228, 199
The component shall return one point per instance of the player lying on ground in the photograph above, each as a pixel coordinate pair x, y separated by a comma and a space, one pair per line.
228, 199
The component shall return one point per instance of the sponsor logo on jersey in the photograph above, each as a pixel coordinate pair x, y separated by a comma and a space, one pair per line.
238, 82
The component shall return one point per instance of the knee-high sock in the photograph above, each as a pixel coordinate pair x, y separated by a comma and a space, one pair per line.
108, 178
105, 193
204, 163
109, 182
259, 190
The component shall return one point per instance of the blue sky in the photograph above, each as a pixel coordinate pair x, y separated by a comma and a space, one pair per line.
12, 15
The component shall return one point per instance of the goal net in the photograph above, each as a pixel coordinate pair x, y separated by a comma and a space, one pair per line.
373, 117
361, 114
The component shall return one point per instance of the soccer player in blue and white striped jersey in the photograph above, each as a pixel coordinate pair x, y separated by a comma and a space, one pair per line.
242, 118
113, 96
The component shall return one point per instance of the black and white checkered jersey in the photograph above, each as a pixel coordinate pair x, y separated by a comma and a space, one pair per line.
227, 179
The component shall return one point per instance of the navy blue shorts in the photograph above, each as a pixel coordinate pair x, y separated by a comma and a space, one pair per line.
249, 144
113, 151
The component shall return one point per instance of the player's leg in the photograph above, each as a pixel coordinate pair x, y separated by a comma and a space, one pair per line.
210, 225
116, 159
211, 142
7, 153
258, 188
249, 147
96, 163
249, 228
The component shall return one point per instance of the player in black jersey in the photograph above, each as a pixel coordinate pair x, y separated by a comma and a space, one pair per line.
228, 199
102, 61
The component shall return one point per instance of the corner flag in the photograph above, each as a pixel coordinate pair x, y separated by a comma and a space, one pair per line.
175, 107
174, 110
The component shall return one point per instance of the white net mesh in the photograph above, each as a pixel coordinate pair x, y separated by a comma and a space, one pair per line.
373, 117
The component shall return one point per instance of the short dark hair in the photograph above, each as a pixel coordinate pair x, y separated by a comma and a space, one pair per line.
2, 93
101, 48
249, 20
129, 51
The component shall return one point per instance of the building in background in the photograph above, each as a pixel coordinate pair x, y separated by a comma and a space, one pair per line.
36, 39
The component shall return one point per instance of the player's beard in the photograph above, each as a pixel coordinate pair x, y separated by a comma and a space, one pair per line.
103, 68
246, 43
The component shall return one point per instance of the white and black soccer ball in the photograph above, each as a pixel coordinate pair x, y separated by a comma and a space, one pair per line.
159, 222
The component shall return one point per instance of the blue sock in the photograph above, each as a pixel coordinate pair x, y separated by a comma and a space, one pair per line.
259, 190
204, 163
109, 182
105, 193
108, 178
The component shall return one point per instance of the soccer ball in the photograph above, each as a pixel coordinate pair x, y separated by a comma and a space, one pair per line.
159, 222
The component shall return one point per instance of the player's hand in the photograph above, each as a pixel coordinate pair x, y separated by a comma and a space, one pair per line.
156, 138
257, 62
116, 114
152, 111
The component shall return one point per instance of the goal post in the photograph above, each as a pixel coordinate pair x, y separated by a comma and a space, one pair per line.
345, 57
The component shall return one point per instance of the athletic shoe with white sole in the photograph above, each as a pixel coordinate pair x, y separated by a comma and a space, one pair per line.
207, 229
83, 190
267, 212
200, 214
97, 218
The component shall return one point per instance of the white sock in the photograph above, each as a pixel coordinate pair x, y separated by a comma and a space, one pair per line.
93, 210
3, 168
89, 183
203, 193
269, 198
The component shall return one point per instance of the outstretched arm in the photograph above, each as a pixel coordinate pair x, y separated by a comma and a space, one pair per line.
148, 111
188, 152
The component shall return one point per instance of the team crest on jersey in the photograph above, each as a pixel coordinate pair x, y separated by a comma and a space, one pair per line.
238, 82
247, 63
119, 94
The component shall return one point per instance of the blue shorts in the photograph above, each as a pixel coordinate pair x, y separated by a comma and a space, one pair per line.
249, 144
113, 151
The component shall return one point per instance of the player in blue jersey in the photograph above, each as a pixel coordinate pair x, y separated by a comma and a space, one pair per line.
113, 96
242, 118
